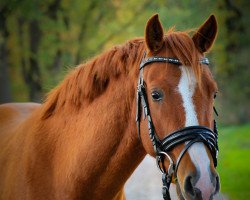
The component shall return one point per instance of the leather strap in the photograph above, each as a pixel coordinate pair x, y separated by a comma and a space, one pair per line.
174, 61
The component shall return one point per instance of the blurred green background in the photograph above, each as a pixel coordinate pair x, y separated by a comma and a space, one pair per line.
41, 40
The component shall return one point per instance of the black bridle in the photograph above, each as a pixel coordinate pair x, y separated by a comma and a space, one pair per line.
188, 135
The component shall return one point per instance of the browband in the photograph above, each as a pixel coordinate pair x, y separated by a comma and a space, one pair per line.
174, 61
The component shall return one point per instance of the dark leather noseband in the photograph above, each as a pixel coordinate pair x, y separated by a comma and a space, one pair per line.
188, 135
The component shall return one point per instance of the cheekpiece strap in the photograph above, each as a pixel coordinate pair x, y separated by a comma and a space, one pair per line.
166, 181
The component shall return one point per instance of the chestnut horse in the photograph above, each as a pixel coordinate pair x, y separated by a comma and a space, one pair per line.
82, 142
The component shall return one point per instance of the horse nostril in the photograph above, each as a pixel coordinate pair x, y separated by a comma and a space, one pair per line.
190, 190
188, 186
215, 179
217, 184
201, 189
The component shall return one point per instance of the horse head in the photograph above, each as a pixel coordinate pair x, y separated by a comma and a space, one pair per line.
176, 91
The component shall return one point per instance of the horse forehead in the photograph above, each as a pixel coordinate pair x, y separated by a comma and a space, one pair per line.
187, 79
163, 72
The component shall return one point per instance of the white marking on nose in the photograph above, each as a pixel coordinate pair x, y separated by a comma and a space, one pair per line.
197, 152
201, 161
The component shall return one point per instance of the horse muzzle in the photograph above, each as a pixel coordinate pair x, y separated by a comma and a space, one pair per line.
196, 188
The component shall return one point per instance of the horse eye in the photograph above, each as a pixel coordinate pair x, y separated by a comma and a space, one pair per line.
156, 96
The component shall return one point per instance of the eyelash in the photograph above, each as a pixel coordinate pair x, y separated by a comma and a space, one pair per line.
215, 95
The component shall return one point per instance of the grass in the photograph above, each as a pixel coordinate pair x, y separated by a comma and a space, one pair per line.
234, 161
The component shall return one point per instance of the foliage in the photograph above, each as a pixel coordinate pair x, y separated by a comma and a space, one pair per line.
232, 68
40, 40
234, 160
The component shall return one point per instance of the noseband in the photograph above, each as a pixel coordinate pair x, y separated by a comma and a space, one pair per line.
188, 135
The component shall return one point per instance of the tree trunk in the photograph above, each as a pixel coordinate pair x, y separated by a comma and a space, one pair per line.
52, 11
5, 89
33, 75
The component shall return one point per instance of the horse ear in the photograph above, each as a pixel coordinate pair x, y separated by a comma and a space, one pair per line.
154, 34
206, 34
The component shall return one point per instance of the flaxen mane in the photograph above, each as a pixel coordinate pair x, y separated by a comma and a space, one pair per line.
89, 80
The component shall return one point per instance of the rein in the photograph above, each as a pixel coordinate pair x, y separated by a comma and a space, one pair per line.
188, 135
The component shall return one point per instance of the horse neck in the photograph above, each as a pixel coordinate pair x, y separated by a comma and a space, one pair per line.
95, 149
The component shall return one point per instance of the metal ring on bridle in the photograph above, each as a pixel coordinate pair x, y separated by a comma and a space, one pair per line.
159, 160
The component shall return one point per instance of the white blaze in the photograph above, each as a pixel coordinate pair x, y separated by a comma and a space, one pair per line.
197, 152
186, 88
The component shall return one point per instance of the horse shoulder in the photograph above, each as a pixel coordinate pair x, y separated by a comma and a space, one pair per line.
11, 117
12, 114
